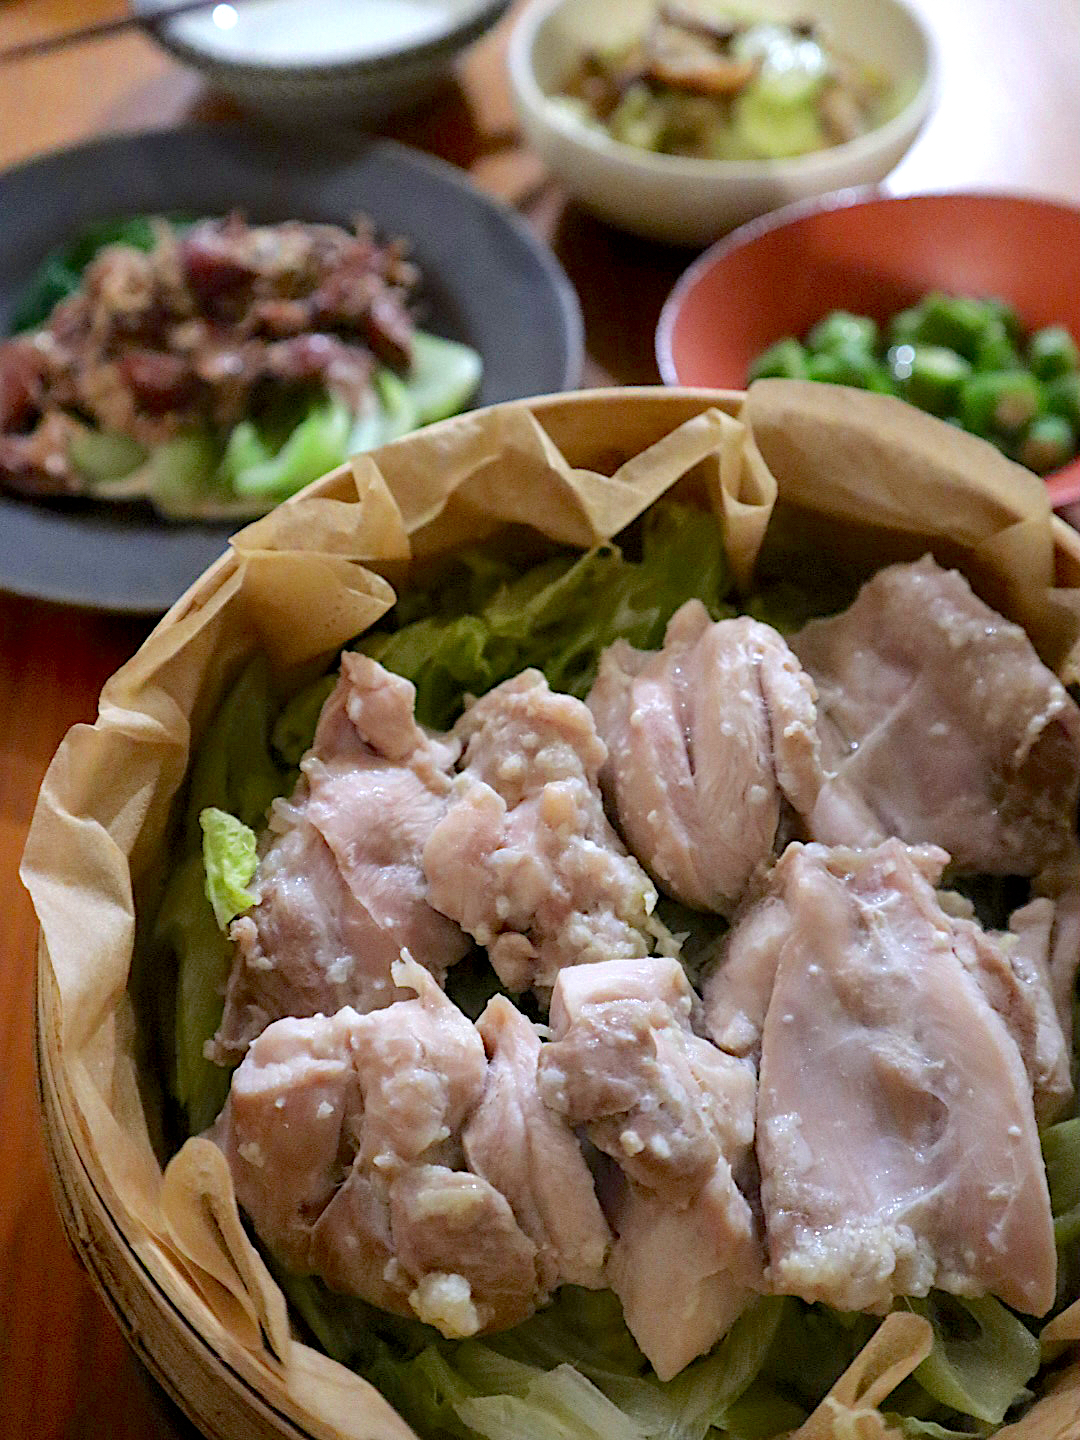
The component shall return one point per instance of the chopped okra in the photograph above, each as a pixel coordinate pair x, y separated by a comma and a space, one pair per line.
960, 357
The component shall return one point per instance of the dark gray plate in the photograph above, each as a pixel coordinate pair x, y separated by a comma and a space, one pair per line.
487, 281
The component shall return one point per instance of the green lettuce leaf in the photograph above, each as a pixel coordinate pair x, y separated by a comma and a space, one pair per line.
229, 861
701, 1395
559, 1404
983, 1356
812, 1348
918, 1429
294, 728
318, 443
60, 273
760, 1413
187, 929
235, 769
443, 376
234, 772
484, 624
1061, 1152
581, 1340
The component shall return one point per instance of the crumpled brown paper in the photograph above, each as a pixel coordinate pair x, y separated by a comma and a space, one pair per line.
899, 1343
304, 580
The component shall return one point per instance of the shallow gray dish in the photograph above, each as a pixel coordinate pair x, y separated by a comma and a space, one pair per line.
488, 281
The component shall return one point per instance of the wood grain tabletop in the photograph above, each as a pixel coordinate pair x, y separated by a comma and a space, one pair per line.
1008, 118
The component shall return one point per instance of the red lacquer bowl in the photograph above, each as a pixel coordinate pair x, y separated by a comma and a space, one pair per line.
872, 254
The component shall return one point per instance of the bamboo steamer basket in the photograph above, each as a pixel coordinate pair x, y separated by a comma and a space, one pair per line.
227, 1389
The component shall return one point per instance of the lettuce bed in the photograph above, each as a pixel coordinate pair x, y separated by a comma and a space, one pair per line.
572, 1372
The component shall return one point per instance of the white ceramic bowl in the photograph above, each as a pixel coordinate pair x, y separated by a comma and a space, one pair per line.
313, 60
692, 201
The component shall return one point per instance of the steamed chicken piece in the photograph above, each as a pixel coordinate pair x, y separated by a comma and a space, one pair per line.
475, 1268
708, 739
677, 1117
1012, 969
1061, 885
684, 1274
524, 858
625, 1061
343, 1134
940, 724
1046, 1041
531, 1155
340, 889
292, 1100
896, 1135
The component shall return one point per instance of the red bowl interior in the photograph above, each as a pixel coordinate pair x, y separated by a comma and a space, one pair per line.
871, 255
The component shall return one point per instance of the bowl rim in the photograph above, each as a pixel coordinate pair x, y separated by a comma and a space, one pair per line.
1062, 485
453, 37
536, 102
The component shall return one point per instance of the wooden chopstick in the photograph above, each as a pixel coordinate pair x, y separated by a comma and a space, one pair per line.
100, 30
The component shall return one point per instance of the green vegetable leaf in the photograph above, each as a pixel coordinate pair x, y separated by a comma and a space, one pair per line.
234, 769
918, 1429
294, 729
702, 1393
229, 859
427, 1391
103, 457
317, 444
186, 928
399, 411
483, 625
760, 1413
812, 1348
983, 1356
244, 450
559, 1404
177, 477
443, 376
60, 272
1061, 1152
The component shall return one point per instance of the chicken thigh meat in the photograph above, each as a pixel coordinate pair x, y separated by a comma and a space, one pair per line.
896, 1132
940, 724
712, 741
525, 859
361, 1146
677, 1116
339, 888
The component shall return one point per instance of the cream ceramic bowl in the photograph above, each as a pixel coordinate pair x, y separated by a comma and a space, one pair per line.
300, 61
689, 201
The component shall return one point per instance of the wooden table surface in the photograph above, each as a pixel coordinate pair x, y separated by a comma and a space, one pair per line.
1008, 118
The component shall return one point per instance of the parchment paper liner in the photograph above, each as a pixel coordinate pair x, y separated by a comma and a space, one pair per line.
854, 472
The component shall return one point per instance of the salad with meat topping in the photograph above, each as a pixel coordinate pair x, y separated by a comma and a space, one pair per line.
612, 1005
214, 368
726, 87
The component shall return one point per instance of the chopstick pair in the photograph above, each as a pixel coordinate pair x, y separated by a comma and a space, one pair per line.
100, 30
